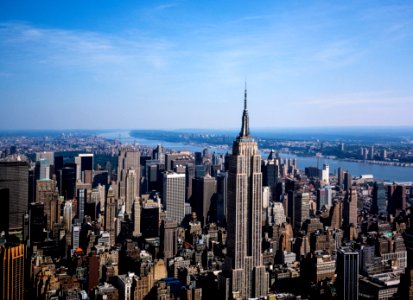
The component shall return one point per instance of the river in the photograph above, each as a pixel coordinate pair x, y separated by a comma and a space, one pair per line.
388, 173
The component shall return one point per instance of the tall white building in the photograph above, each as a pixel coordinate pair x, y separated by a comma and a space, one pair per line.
174, 195
325, 173
131, 190
67, 216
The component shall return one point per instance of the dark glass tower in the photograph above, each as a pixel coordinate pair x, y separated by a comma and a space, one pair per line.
347, 274
14, 176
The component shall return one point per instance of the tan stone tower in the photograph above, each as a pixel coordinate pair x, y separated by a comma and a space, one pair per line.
244, 265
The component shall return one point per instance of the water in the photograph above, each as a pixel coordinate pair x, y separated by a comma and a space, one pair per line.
388, 173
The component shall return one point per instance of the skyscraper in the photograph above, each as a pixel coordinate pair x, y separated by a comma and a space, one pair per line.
46, 193
325, 174
379, 203
14, 177
350, 208
243, 263
302, 209
12, 272
84, 167
174, 196
347, 274
131, 190
110, 217
204, 190
129, 171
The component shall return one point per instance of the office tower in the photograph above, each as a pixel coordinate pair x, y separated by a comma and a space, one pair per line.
340, 177
159, 154
93, 265
302, 209
243, 262
46, 193
68, 181
5, 209
200, 170
190, 175
137, 218
350, 208
270, 170
347, 274
336, 214
169, 238
174, 195
75, 236
150, 219
128, 160
278, 213
325, 174
221, 195
131, 190
84, 167
312, 172
14, 176
32, 185
152, 179
12, 272
203, 196
58, 163
324, 197
347, 181
396, 195
67, 216
379, 203
81, 202
110, 215
36, 222
42, 169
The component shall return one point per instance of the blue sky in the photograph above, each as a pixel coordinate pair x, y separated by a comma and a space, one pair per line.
182, 64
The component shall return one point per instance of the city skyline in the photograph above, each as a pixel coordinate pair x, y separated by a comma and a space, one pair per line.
115, 66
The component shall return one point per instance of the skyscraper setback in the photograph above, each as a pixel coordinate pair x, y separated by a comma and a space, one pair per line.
128, 176
244, 265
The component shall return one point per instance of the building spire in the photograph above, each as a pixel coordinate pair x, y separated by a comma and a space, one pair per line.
245, 128
245, 96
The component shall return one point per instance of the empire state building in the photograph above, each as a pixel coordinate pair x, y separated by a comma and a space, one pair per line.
243, 266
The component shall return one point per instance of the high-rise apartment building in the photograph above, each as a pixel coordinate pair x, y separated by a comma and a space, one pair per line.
244, 264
